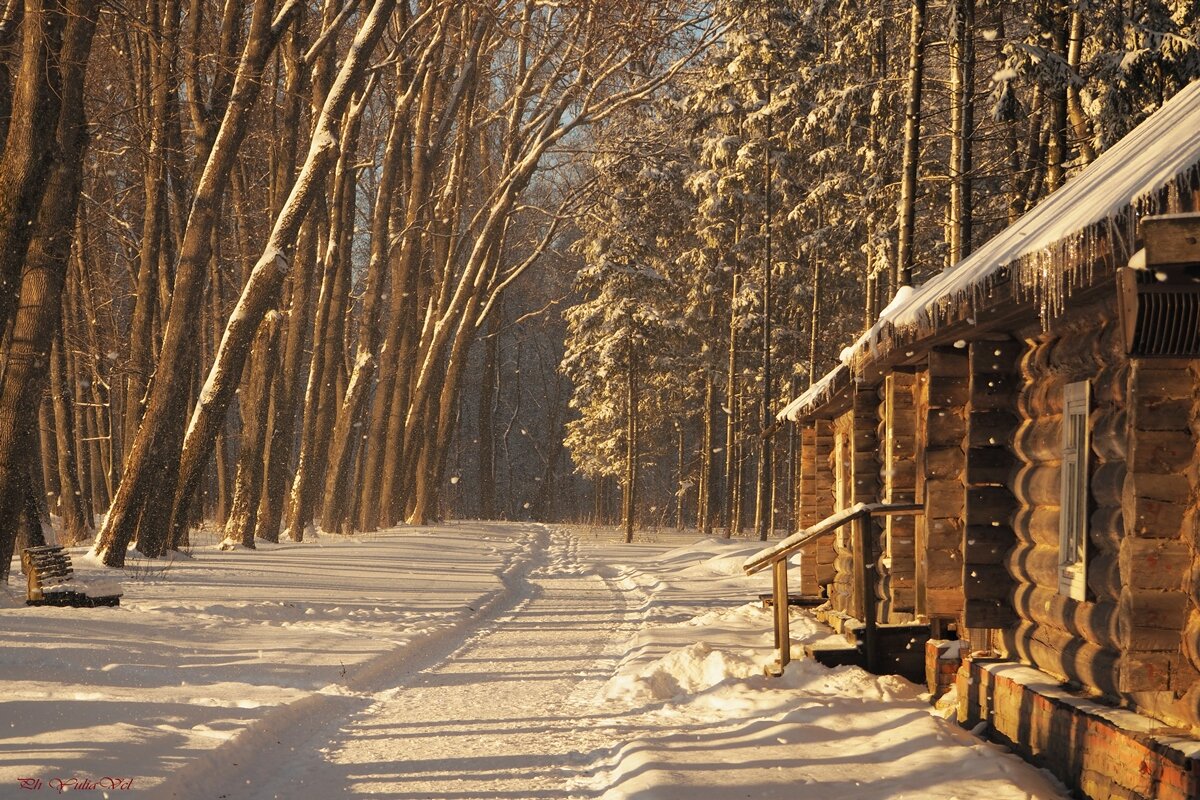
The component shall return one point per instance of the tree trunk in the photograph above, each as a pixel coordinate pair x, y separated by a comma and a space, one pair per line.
26, 162
962, 124
488, 387
248, 485
47, 453
1057, 153
631, 430
708, 466
221, 466
155, 452
335, 511
286, 390
731, 413
286, 413
45, 259
161, 40
1080, 123
102, 439
391, 395
348, 430
262, 289
912, 146
70, 507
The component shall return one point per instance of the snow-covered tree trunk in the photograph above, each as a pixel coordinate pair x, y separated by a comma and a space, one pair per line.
385, 434
1080, 123
328, 376
153, 456
348, 432
287, 390
261, 291
335, 508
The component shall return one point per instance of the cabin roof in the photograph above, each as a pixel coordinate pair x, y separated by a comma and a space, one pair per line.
1049, 251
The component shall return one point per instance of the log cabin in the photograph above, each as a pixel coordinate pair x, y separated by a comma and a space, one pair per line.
1041, 401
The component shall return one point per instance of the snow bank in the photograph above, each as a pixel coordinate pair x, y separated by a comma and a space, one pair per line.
705, 723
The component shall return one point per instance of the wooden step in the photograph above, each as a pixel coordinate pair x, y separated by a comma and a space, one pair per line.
798, 600
834, 656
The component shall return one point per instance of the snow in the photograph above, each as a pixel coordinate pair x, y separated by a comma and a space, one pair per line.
466, 660
815, 394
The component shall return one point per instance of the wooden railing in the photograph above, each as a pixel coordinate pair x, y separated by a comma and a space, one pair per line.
777, 555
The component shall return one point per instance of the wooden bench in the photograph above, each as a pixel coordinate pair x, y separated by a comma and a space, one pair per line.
52, 582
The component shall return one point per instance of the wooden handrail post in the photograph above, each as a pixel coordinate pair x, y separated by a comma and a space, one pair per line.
865, 554
783, 634
859, 517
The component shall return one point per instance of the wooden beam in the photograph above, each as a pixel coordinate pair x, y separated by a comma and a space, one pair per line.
1172, 239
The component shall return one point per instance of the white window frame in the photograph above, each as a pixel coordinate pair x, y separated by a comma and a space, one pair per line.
1073, 512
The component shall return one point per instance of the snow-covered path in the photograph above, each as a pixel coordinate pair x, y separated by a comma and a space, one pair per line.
509, 714
474, 660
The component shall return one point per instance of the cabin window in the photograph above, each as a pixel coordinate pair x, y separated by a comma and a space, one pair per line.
1073, 516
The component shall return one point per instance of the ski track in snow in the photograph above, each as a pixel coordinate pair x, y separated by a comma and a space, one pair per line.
509, 713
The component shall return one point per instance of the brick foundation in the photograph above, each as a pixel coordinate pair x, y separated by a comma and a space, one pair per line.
942, 661
1102, 752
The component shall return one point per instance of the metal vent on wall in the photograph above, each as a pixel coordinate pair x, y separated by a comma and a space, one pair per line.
1160, 298
1162, 313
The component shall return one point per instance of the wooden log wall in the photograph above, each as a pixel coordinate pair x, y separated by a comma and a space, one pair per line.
816, 503
866, 489
1076, 640
841, 459
1157, 619
942, 406
856, 466
898, 477
806, 490
995, 383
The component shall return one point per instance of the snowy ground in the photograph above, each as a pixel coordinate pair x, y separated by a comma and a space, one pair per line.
474, 660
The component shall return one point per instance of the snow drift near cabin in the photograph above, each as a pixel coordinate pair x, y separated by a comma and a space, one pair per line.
302, 670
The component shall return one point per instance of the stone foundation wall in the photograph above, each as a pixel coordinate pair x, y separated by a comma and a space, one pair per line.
1101, 752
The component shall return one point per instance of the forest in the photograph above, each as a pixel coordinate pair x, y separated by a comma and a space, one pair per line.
283, 267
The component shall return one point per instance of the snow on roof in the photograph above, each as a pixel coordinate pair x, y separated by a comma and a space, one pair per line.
816, 394
1059, 234
819, 392
1055, 245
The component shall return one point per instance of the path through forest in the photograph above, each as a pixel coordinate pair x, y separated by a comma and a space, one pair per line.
509, 714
